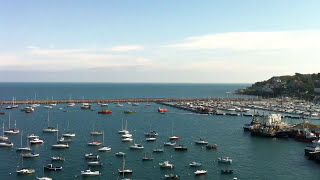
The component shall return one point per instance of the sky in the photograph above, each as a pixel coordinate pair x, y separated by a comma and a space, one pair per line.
175, 41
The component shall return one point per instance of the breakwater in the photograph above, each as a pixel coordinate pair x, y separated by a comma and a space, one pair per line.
127, 100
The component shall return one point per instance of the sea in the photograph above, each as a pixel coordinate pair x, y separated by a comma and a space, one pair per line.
253, 157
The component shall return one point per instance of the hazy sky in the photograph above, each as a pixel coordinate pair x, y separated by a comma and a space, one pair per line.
158, 41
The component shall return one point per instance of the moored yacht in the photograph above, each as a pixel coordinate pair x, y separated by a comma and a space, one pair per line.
201, 141
88, 172
224, 160
166, 164
36, 141
199, 172
136, 146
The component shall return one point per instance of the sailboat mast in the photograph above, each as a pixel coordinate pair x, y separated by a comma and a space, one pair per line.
57, 133
21, 138
15, 124
3, 130
103, 138
9, 120
48, 118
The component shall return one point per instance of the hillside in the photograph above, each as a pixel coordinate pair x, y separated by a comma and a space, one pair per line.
302, 86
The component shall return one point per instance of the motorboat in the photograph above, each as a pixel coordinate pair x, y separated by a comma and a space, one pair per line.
227, 171
126, 135
64, 140
91, 156
52, 168
6, 143
71, 104
127, 139
120, 154
30, 155
180, 148
44, 178
36, 141
195, 164
24, 171
214, 146
32, 136
119, 105
201, 141
151, 139
96, 133
199, 172
57, 158
59, 146
105, 148
104, 105
86, 106
170, 143
175, 138
129, 112
158, 150
94, 143
69, 134
224, 160
94, 163
166, 164
88, 172
171, 176
162, 110
136, 146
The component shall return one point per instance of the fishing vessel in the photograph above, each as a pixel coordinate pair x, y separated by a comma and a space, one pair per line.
104, 148
14, 130
162, 110
104, 111
50, 129
50, 167
129, 112
224, 160
305, 136
88, 172
199, 172
166, 164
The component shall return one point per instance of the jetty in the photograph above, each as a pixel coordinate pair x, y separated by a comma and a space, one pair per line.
126, 100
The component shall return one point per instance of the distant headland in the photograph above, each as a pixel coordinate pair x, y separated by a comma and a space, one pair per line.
301, 86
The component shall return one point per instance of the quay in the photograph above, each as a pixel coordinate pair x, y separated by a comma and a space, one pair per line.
127, 100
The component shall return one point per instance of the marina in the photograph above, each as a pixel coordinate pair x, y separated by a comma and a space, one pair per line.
196, 137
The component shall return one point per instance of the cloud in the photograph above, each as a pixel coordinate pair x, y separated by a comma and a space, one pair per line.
125, 48
252, 41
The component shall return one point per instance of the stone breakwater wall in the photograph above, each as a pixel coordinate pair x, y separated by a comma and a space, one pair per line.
126, 100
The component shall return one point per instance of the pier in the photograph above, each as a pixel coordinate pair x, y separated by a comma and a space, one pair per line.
127, 100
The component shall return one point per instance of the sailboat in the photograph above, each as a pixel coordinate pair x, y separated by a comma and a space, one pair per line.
13, 103
49, 129
104, 148
136, 146
4, 141
124, 131
43, 178
68, 134
146, 158
123, 170
53, 104
59, 145
175, 138
94, 142
3, 137
93, 132
12, 131
21, 148
24, 171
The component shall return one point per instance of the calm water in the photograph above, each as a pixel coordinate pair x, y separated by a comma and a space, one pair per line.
253, 157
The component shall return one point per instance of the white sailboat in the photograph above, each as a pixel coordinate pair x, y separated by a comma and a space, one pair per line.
49, 129
3, 137
124, 130
4, 142
136, 146
104, 148
24, 171
123, 170
95, 133
172, 137
59, 145
12, 131
53, 103
68, 134
21, 148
